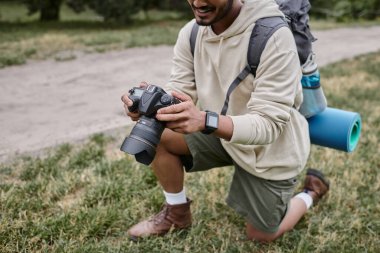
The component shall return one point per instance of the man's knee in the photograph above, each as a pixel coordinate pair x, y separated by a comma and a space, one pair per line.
173, 143
260, 236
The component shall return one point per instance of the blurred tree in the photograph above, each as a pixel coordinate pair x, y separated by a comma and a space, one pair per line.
122, 10
366, 9
111, 10
148, 5
48, 9
376, 13
180, 6
77, 5
342, 10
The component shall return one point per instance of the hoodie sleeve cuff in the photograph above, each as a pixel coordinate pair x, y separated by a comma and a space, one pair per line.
242, 132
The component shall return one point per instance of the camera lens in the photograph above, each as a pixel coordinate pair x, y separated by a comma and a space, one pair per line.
143, 140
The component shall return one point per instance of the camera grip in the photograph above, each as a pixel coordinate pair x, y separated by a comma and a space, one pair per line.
135, 104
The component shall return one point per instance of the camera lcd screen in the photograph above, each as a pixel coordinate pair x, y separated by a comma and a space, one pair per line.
138, 92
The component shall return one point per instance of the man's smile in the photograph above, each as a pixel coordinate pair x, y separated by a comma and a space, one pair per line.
202, 11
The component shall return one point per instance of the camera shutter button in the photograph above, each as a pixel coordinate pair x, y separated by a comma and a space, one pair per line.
166, 99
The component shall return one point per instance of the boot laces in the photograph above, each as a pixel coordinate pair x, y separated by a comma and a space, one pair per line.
161, 216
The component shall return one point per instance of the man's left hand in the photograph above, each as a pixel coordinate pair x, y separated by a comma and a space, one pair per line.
184, 117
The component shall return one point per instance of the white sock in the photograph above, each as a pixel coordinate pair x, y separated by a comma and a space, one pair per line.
175, 198
306, 198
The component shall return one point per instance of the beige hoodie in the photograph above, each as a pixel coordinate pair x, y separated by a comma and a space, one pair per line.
270, 137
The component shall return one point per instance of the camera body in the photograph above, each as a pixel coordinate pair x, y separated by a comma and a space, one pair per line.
146, 134
148, 101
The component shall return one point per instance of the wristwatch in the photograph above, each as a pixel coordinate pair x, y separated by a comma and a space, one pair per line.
211, 122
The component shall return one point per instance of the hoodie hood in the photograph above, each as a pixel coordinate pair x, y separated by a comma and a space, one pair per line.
251, 11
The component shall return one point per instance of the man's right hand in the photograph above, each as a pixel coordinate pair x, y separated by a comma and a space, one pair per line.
128, 102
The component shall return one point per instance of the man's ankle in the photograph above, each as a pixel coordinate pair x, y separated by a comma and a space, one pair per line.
306, 198
312, 194
176, 198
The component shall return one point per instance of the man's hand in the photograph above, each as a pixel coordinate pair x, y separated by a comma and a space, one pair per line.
127, 103
184, 117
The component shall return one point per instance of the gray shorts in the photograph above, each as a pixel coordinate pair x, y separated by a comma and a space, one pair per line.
262, 202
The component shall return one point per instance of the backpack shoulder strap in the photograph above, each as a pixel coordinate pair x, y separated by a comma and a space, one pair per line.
263, 30
193, 37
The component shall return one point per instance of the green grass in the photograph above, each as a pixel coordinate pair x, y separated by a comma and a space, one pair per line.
23, 37
20, 42
83, 198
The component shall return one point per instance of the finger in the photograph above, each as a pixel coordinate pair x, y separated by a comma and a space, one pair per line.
173, 109
133, 116
181, 96
129, 113
176, 108
177, 116
126, 99
166, 117
143, 84
179, 126
174, 124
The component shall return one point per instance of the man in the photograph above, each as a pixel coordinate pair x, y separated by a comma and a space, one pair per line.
262, 135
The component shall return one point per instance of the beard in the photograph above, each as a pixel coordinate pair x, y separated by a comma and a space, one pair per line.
216, 13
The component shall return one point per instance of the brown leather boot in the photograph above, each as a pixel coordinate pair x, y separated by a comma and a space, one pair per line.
176, 216
316, 184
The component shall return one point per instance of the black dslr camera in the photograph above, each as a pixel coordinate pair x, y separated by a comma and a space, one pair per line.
146, 134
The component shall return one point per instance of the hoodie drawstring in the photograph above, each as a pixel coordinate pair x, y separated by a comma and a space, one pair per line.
219, 51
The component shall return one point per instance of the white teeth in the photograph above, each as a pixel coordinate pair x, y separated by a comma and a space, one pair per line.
203, 10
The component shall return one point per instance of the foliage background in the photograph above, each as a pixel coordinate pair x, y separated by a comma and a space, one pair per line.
121, 10
343, 10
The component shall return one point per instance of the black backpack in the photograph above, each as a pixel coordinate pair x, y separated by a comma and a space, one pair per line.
296, 18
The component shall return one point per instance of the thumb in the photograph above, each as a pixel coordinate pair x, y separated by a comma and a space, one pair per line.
181, 96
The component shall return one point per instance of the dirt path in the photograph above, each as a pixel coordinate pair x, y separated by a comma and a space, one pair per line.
43, 104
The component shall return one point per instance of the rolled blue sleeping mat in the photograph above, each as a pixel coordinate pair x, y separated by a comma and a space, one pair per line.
335, 128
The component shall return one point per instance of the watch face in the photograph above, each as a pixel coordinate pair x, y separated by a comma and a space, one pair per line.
212, 121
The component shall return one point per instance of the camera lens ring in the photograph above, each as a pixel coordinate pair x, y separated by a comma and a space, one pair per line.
143, 140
